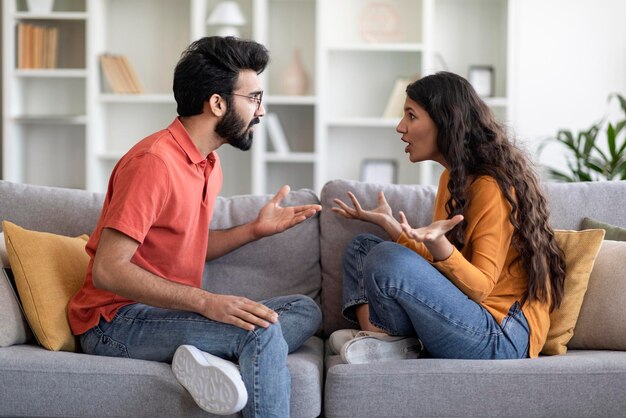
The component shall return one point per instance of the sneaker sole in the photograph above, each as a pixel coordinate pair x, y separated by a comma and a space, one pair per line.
216, 388
371, 350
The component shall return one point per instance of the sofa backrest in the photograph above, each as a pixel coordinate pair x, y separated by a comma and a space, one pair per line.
417, 202
601, 200
569, 203
61, 211
283, 264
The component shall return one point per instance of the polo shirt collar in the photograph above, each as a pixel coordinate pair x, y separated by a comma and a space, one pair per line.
181, 136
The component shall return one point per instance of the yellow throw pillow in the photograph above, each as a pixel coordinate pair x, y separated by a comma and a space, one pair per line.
48, 270
580, 249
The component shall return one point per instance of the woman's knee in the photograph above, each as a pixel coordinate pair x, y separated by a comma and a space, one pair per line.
390, 264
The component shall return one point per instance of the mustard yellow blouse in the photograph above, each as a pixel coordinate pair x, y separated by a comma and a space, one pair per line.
484, 269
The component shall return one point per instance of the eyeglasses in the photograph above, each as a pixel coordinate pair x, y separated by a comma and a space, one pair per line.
257, 97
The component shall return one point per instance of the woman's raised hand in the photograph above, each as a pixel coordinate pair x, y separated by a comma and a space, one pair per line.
433, 235
357, 212
381, 215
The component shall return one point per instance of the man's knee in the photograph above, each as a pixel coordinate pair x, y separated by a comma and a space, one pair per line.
271, 339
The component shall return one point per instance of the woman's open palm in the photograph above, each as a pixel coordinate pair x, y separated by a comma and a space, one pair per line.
431, 233
377, 216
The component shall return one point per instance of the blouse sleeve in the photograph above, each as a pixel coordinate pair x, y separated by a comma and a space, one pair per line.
418, 247
488, 239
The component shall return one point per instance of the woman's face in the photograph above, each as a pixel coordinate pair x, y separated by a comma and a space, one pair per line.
420, 133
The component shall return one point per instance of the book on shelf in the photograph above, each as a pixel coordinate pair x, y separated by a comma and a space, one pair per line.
37, 46
395, 103
276, 133
119, 74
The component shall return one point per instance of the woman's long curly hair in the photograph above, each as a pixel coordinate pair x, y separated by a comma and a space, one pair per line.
474, 144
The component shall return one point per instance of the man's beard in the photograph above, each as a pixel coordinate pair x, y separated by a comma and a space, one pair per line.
232, 128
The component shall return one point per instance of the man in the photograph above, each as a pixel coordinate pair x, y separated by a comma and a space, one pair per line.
142, 297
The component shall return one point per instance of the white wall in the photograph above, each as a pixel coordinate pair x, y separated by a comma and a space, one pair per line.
569, 55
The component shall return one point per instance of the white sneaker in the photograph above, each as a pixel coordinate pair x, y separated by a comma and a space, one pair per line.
377, 347
338, 338
214, 383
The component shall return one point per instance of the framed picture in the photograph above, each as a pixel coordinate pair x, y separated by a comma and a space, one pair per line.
379, 171
481, 77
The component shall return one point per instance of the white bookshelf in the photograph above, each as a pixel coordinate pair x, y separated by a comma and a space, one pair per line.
63, 128
45, 116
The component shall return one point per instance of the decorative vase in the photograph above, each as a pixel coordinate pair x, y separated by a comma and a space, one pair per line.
40, 6
295, 78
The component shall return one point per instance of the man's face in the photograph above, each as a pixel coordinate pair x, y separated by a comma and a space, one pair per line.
245, 110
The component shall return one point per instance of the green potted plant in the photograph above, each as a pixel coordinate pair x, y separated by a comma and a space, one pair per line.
588, 159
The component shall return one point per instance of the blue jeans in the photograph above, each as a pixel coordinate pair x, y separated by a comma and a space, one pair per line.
145, 332
408, 296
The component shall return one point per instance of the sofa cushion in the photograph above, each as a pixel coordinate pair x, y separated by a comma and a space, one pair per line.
35, 382
282, 264
602, 315
578, 384
417, 202
4, 257
613, 233
580, 249
48, 270
13, 326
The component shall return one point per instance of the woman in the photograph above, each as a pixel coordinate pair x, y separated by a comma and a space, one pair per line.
482, 279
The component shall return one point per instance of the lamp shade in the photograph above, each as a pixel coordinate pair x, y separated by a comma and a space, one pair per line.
226, 13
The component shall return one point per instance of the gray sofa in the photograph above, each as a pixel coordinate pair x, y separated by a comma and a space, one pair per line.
590, 380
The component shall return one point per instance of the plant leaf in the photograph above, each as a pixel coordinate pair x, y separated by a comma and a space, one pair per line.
610, 136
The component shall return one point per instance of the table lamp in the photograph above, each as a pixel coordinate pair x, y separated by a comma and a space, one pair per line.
227, 15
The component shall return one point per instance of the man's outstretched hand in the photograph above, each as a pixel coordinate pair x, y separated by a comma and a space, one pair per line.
274, 218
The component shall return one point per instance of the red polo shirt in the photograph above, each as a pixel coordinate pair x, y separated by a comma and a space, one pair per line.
161, 194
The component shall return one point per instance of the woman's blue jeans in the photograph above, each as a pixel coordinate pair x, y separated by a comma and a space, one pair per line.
408, 296
144, 332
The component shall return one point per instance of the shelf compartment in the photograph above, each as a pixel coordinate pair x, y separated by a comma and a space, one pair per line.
296, 18
53, 155
362, 143
70, 43
467, 33
128, 123
153, 61
296, 175
298, 125
66, 97
397, 21
360, 82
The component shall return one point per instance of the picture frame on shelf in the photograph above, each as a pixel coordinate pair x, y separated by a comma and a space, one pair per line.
482, 78
383, 171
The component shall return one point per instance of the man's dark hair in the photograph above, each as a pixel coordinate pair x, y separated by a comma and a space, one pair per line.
211, 65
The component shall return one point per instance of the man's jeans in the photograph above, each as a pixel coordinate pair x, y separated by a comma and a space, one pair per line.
408, 296
144, 332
